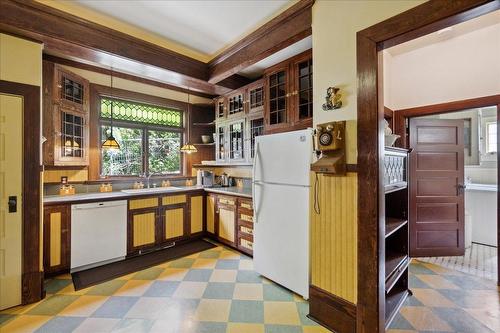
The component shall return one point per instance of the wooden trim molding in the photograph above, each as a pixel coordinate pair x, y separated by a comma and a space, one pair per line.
72, 37
401, 116
429, 16
335, 313
291, 26
32, 276
125, 76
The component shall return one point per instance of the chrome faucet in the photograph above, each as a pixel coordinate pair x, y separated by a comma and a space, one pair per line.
147, 176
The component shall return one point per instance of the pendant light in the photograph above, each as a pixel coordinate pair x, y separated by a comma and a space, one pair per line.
188, 148
110, 143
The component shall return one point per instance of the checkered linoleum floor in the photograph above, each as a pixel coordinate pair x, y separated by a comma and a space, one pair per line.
218, 291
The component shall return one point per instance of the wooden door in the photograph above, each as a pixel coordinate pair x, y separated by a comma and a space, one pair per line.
11, 217
142, 229
277, 91
227, 219
56, 239
302, 107
436, 187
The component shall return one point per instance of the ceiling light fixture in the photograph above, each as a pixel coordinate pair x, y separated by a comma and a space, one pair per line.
188, 148
110, 143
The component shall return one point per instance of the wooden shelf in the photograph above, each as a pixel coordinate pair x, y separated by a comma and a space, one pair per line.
393, 224
394, 278
204, 124
204, 144
395, 187
392, 261
393, 303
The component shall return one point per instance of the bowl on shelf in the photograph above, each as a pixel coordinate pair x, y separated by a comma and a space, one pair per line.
206, 139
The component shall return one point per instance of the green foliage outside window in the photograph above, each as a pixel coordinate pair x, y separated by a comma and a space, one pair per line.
162, 147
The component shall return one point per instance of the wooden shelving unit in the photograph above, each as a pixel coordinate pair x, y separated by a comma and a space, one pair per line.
397, 257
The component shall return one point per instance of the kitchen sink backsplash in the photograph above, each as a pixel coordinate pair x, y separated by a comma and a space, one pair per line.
53, 189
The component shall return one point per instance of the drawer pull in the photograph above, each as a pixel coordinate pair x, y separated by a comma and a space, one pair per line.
246, 205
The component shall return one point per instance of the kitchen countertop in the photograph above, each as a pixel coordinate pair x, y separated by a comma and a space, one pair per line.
481, 187
81, 197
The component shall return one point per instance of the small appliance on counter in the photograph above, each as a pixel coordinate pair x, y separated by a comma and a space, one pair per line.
226, 181
205, 178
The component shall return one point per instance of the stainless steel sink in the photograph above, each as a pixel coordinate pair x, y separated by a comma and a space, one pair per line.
152, 190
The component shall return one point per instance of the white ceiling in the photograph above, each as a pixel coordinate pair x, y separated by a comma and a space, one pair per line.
204, 26
256, 70
460, 29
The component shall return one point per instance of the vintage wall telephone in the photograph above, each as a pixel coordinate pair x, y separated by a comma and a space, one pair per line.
330, 145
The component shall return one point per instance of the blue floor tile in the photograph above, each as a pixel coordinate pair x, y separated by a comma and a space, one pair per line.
198, 275
247, 311
219, 290
61, 325
162, 289
227, 264
115, 307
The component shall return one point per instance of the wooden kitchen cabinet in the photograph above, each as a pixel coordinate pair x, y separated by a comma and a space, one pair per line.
142, 230
220, 107
288, 94
65, 117
211, 213
255, 97
56, 239
245, 226
236, 103
227, 224
196, 214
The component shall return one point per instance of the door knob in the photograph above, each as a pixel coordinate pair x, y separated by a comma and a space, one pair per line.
12, 204
461, 188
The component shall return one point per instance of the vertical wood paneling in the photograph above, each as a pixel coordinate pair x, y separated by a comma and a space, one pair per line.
334, 236
144, 229
211, 214
196, 214
174, 199
143, 203
55, 239
174, 223
226, 224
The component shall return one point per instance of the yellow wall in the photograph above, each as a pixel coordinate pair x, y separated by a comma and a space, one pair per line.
240, 172
334, 25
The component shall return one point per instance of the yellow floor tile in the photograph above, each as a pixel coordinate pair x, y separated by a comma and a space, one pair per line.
25, 324
229, 255
314, 329
70, 289
134, 288
223, 275
248, 291
245, 328
439, 269
489, 317
173, 274
213, 310
84, 306
190, 290
246, 264
422, 319
17, 310
431, 297
204, 263
437, 282
282, 313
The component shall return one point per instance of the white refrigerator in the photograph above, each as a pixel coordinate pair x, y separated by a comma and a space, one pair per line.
281, 208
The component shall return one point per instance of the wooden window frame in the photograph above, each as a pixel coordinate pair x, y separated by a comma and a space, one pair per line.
97, 92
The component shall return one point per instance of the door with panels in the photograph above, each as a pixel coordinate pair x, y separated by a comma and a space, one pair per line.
142, 224
173, 217
196, 214
11, 162
226, 212
57, 238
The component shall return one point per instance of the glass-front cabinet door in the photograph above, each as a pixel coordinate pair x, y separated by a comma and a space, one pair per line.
220, 143
220, 108
277, 89
71, 138
255, 128
235, 104
236, 133
255, 97
303, 96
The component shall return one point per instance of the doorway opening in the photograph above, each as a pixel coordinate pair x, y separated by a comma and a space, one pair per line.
478, 174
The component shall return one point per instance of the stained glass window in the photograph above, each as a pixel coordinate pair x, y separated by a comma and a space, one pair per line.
136, 112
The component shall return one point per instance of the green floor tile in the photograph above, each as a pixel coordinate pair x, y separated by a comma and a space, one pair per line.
283, 329
246, 311
5, 318
53, 286
182, 263
209, 327
209, 254
52, 305
106, 288
219, 290
148, 274
274, 292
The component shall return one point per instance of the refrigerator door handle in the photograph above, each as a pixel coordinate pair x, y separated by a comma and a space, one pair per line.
255, 161
255, 204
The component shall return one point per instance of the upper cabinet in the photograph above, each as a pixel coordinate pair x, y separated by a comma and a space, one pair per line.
255, 97
236, 103
288, 89
65, 117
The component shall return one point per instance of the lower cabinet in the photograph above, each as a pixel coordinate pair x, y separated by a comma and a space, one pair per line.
142, 229
230, 221
196, 214
173, 222
56, 238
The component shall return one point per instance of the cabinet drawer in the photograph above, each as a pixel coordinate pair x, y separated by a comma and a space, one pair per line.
246, 204
226, 201
245, 244
245, 217
174, 199
143, 203
246, 229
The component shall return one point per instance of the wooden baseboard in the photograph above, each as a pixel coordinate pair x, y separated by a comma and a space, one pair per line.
335, 313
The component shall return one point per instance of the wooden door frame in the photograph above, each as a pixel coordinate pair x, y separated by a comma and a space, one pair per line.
402, 116
32, 276
426, 18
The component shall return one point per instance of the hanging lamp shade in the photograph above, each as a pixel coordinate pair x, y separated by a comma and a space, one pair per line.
110, 143
188, 149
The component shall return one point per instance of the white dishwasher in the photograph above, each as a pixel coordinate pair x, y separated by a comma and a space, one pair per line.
98, 234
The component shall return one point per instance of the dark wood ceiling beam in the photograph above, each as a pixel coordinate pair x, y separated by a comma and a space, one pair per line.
72, 37
287, 28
